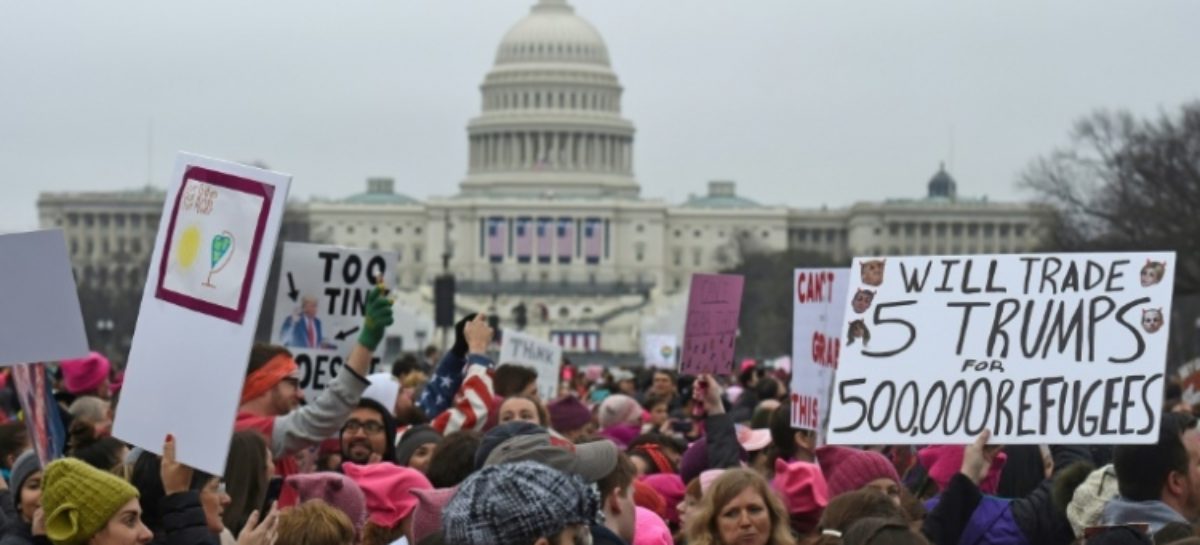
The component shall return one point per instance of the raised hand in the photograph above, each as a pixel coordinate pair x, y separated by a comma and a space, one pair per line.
378, 317
176, 477
478, 334
260, 534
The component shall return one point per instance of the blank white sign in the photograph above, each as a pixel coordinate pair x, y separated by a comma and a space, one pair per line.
40, 318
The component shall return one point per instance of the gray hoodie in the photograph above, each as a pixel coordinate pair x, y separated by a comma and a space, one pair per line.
1155, 513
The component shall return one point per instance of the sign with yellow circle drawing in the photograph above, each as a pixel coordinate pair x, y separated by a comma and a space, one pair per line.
213, 238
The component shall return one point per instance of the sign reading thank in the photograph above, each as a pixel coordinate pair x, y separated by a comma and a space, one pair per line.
1037, 348
543, 357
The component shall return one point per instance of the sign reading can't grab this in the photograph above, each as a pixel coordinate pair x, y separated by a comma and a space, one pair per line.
816, 343
1066, 348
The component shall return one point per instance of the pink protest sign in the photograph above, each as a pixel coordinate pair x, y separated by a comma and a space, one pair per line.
714, 303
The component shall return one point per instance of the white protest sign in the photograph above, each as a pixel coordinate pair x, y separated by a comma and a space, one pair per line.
40, 319
538, 354
201, 303
1062, 349
820, 297
320, 303
659, 350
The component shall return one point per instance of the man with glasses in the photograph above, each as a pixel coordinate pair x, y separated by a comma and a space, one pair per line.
369, 435
271, 395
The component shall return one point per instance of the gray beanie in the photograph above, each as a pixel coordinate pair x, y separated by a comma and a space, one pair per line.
27, 464
412, 440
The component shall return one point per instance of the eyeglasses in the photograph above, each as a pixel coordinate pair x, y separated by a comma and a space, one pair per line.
371, 427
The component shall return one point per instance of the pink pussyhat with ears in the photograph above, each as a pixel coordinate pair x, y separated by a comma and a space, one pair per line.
649, 529
84, 375
339, 491
427, 517
386, 487
848, 469
802, 487
944, 461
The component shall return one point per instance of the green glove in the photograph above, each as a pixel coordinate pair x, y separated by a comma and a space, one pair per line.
378, 317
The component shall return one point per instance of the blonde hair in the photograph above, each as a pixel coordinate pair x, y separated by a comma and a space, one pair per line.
702, 528
415, 380
315, 522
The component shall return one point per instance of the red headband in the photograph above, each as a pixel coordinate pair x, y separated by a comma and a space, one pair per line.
267, 376
655, 453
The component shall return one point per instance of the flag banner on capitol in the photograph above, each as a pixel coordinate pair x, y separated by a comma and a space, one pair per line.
319, 306
1065, 348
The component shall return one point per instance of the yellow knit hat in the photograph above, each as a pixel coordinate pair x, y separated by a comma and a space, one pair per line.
79, 500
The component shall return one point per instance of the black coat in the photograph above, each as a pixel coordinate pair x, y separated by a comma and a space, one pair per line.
183, 522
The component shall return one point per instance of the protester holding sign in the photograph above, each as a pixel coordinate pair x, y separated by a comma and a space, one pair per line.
271, 395
1036, 348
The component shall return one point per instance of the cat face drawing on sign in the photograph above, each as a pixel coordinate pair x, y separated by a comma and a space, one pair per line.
872, 272
862, 300
1152, 272
1152, 320
858, 330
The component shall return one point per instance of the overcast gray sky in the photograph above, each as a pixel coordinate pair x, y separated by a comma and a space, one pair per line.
835, 101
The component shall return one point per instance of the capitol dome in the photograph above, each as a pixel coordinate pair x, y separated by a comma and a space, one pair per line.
942, 185
551, 120
552, 32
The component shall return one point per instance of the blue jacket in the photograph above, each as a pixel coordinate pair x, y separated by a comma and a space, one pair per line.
446, 380
294, 333
963, 515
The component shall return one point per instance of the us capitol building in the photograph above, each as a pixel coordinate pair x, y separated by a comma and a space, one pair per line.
551, 217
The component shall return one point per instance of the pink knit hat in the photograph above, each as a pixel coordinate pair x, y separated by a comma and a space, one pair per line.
944, 461
849, 469
568, 414
427, 517
670, 486
335, 489
84, 375
649, 529
708, 477
386, 486
619, 409
803, 489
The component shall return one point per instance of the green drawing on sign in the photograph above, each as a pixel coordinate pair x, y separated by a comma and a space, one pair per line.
221, 252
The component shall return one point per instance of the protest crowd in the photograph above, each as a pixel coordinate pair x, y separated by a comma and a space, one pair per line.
459, 449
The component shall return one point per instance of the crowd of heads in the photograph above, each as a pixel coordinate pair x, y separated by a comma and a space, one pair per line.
620, 455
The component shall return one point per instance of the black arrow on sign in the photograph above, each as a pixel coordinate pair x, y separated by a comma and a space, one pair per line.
341, 336
292, 291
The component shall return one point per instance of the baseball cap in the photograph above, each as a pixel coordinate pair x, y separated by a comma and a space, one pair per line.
500, 434
592, 461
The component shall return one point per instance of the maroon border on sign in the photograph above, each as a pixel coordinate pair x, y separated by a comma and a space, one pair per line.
235, 183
